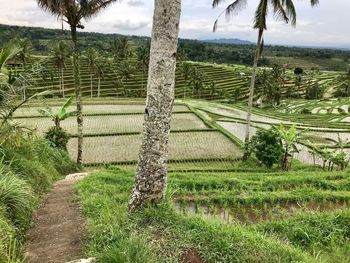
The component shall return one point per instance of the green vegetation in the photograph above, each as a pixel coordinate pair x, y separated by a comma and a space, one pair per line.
267, 147
28, 167
311, 233
306, 58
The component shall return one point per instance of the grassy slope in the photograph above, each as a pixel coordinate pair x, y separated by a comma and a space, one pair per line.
162, 235
27, 169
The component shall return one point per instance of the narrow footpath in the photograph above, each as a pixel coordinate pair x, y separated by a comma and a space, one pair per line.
58, 233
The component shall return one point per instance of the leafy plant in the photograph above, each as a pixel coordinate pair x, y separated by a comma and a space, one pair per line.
290, 137
267, 147
61, 114
57, 136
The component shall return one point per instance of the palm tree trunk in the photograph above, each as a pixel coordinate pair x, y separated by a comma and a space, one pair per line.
91, 84
77, 94
151, 176
98, 86
62, 81
251, 91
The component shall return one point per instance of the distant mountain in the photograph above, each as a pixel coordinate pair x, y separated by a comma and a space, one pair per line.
230, 41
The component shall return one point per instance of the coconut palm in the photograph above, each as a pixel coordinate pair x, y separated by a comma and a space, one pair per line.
121, 48
125, 71
59, 55
99, 73
283, 10
186, 70
151, 177
72, 12
91, 57
142, 53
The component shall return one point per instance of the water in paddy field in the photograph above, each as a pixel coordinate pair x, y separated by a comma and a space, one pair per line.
255, 214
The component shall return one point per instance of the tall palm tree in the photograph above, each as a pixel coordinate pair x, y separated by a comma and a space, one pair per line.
121, 48
59, 55
142, 53
99, 73
72, 12
91, 57
283, 10
125, 71
151, 177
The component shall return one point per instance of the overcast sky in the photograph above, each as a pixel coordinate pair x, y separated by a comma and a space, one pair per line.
325, 25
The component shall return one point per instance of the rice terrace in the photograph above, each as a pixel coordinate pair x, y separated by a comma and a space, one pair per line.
131, 141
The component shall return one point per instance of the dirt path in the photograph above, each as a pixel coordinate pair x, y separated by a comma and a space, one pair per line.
57, 235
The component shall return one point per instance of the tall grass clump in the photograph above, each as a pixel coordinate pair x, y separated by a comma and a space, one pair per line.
28, 167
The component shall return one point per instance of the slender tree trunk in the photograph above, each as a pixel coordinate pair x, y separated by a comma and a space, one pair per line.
151, 177
78, 95
62, 78
98, 86
251, 93
91, 84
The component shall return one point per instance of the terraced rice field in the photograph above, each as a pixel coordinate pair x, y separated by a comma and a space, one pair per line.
111, 124
231, 118
113, 133
182, 146
200, 130
228, 82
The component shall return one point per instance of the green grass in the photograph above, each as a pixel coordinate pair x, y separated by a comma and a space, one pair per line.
28, 168
161, 234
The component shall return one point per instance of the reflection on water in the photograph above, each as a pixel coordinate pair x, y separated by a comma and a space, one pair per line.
254, 214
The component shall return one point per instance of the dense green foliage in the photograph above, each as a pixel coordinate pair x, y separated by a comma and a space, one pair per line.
330, 59
285, 231
28, 167
161, 234
267, 147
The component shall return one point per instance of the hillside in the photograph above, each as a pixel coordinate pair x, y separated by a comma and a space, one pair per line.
195, 50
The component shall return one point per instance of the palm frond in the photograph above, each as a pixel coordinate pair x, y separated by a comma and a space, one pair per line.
232, 9
261, 15
290, 11
279, 11
93, 7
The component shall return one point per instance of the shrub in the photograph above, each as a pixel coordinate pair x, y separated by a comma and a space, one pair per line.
267, 147
314, 91
57, 137
298, 71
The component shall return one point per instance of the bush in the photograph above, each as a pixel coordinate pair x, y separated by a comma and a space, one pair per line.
314, 91
298, 71
57, 137
267, 147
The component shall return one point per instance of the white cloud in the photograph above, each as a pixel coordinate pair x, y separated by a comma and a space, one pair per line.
323, 25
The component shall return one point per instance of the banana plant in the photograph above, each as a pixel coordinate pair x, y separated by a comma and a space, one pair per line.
290, 137
60, 115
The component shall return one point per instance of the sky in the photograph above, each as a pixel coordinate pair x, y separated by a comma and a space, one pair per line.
325, 25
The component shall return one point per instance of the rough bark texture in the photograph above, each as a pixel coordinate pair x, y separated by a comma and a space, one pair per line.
78, 95
151, 177
251, 91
